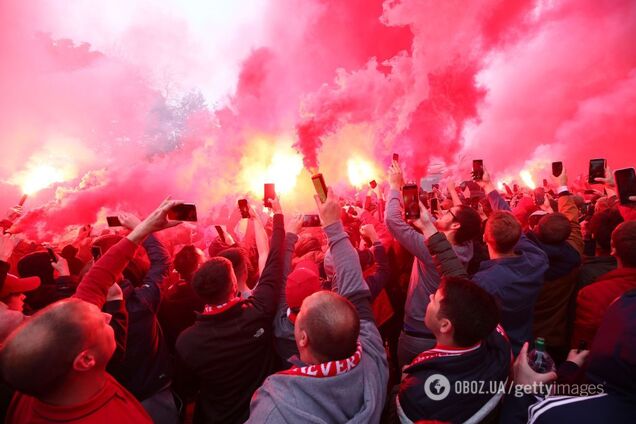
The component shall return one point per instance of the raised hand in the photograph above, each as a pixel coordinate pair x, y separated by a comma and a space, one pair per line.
330, 210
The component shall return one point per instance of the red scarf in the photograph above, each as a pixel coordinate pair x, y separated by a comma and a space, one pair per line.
217, 309
328, 369
440, 351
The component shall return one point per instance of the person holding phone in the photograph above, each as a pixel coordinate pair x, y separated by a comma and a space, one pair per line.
461, 224
223, 378
66, 370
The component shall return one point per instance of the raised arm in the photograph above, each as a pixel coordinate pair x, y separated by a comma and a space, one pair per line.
95, 285
291, 238
266, 293
406, 235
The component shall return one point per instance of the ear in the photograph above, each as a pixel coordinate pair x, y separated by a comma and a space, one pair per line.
455, 226
446, 327
303, 340
84, 361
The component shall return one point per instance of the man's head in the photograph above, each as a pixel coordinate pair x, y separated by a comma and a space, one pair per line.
624, 244
601, 227
502, 232
462, 222
326, 328
240, 263
70, 338
462, 312
187, 261
215, 281
553, 228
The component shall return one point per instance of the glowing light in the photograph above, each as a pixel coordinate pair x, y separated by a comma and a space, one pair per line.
500, 185
38, 177
527, 179
267, 163
360, 172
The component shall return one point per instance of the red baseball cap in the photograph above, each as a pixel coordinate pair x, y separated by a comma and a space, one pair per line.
301, 282
13, 284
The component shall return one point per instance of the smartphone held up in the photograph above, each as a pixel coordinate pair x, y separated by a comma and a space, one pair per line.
183, 212
410, 194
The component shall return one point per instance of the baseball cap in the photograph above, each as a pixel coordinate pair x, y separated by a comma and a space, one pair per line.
13, 284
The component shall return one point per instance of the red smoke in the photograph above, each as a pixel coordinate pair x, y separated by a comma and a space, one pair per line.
517, 83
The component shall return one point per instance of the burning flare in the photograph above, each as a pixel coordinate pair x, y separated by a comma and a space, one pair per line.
527, 179
38, 177
360, 172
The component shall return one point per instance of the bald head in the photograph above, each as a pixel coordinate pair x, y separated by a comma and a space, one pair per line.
332, 325
39, 355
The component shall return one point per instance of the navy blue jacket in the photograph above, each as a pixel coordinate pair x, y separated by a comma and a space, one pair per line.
146, 366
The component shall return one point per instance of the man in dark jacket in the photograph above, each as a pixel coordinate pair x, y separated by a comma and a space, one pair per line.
600, 227
470, 348
228, 352
559, 236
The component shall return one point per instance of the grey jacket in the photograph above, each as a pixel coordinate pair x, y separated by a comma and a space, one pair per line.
356, 396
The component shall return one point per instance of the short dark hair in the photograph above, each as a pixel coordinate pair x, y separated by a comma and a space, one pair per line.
470, 224
333, 327
473, 311
601, 226
213, 281
239, 258
186, 261
553, 228
37, 358
624, 241
503, 230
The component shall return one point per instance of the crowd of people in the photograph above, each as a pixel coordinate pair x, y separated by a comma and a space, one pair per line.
367, 318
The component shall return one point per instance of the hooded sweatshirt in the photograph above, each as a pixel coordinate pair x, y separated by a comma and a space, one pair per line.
425, 278
347, 391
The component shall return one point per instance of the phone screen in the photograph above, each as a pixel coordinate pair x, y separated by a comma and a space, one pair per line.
434, 203
597, 170
396, 157
557, 168
411, 201
269, 194
373, 184
539, 195
320, 187
113, 221
478, 169
245, 210
219, 231
183, 212
311, 221
626, 184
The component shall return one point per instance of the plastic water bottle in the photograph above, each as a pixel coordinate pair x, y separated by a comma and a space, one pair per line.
538, 358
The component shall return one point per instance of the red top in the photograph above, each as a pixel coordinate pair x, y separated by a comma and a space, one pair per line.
593, 300
113, 404
103, 274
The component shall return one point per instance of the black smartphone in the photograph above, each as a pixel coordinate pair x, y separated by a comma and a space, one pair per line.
113, 221
269, 194
539, 196
478, 169
434, 204
597, 170
515, 188
96, 252
183, 212
245, 210
411, 197
373, 184
219, 231
396, 157
557, 168
625, 184
52, 255
320, 186
311, 221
